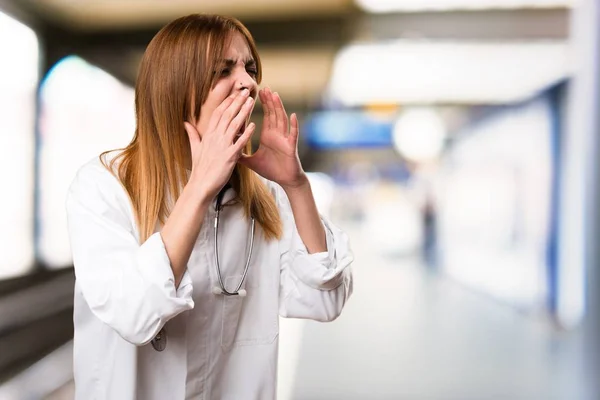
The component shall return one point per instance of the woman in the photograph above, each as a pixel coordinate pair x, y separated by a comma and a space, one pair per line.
157, 315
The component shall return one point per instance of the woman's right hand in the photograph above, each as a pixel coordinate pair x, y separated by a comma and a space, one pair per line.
215, 154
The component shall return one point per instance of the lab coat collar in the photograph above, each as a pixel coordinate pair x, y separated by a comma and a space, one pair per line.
230, 194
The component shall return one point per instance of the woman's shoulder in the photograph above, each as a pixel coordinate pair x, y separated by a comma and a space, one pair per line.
97, 191
94, 179
98, 168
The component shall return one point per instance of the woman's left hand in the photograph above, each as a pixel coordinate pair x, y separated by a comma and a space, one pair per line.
276, 158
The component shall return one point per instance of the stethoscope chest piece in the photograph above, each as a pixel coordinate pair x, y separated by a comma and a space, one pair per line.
160, 340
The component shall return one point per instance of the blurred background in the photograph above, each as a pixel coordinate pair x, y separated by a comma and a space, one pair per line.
454, 140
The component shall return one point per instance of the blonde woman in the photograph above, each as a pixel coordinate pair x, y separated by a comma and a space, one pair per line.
187, 247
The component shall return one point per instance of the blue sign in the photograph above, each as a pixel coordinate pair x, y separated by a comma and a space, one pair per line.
347, 129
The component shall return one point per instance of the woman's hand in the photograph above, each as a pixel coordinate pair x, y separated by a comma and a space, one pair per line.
277, 156
215, 154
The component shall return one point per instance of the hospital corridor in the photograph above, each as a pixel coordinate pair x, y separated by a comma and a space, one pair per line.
407, 333
454, 142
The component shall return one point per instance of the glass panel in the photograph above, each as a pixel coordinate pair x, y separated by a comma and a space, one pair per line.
18, 83
85, 111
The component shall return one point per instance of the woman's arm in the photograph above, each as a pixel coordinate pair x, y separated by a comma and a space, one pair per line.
306, 216
128, 286
316, 280
213, 157
276, 159
183, 226
313, 285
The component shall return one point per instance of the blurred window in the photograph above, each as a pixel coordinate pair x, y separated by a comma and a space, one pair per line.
18, 83
84, 111
494, 204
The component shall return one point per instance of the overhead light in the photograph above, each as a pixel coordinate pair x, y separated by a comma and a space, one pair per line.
387, 6
421, 72
419, 134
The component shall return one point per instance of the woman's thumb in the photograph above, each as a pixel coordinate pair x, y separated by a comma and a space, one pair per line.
193, 134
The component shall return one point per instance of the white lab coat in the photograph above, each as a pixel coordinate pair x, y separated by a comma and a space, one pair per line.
217, 347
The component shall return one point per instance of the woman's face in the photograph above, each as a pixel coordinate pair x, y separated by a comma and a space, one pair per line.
239, 72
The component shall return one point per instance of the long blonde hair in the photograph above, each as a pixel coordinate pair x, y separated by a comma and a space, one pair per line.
176, 69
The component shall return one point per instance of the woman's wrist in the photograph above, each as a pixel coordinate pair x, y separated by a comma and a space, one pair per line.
198, 193
299, 185
306, 216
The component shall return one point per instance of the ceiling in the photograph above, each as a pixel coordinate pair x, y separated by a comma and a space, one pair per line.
298, 39
298, 75
132, 14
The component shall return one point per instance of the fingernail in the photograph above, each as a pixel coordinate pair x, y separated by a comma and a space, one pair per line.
249, 100
245, 92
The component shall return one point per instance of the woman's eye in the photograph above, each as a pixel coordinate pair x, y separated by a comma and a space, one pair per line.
252, 71
225, 72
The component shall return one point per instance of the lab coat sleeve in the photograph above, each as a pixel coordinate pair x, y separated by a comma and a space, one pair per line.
128, 286
312, 286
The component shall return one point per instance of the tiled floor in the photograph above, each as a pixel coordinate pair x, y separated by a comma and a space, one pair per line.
410, 334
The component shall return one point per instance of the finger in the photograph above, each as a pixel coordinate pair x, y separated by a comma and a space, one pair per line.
230, 113
263, 101
216, 115
192, 133
282, 119
243, 140
240, 119
294, 127
271, 108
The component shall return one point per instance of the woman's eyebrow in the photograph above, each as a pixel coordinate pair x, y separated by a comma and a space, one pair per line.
229, 62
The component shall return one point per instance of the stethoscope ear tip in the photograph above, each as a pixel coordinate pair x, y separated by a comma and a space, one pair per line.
217, 290
242, 293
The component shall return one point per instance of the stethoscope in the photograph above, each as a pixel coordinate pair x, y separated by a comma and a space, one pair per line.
221, 288
159, 343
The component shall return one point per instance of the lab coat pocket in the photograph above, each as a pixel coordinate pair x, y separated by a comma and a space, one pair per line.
250, 320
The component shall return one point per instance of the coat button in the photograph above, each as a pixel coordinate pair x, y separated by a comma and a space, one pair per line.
160, 340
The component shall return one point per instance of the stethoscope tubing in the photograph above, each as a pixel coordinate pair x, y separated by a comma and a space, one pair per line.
224, 291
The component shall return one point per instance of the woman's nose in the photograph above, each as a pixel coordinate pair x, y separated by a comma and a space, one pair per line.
245, 81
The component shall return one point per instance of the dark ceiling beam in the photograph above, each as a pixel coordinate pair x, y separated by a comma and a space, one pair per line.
110, 49
490, 25
281, 32
113, 50
16, 10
